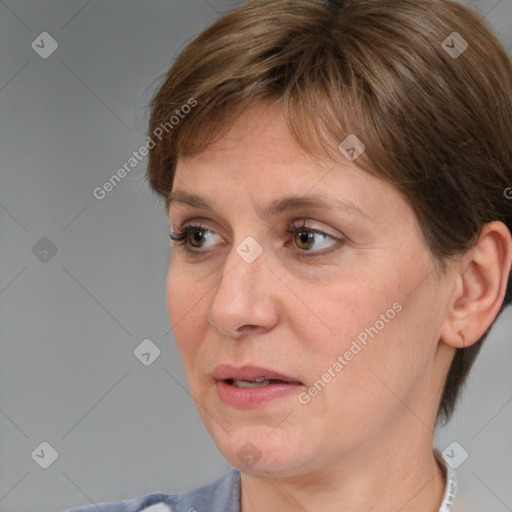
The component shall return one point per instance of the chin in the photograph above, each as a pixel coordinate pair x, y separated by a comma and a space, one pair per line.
254, 451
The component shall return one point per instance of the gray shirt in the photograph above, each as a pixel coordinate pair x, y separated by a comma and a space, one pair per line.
223, 495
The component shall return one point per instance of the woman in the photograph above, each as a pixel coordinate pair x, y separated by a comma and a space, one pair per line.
336, 177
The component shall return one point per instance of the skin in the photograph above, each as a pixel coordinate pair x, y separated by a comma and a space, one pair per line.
364, 443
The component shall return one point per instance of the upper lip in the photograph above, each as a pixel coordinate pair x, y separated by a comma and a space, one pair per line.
225, 372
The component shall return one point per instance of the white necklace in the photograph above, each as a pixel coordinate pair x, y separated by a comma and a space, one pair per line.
450, 487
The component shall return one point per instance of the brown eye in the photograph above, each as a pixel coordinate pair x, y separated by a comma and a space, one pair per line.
304, 239
312, 240
196, 238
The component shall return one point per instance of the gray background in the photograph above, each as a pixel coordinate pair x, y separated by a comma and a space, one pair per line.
69, 325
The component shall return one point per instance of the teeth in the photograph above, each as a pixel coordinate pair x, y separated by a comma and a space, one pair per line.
260, 381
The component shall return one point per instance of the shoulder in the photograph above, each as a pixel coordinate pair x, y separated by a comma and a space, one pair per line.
222, 495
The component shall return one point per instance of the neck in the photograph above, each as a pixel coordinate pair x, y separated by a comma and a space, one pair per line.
398, 477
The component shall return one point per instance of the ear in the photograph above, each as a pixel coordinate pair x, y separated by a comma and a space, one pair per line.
481, 277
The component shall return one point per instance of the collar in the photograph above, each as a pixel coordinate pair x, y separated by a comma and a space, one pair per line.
451, 483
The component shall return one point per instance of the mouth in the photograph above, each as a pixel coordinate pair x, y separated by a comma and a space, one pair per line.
251, 376
252, 386
256, 383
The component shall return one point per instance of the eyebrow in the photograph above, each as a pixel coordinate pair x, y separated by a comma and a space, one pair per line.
285, 204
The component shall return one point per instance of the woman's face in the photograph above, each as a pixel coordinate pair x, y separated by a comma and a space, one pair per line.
339, 320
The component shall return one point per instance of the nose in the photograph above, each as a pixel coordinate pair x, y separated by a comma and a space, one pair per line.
245, 300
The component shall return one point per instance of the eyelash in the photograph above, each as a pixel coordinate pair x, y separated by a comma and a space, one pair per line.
293, 228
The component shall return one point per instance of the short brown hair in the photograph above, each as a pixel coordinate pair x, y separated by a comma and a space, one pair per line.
437, 125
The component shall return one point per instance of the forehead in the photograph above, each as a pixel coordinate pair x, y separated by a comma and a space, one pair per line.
260, 130
259, 144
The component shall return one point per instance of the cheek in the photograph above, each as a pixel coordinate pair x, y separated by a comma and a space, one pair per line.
377, 327
396, 347
185, 305
174, 294
352, 308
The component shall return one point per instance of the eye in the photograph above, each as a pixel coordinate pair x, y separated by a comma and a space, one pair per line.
193, 236
196, 238
310, 239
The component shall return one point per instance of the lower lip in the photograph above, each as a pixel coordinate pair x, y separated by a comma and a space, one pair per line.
253, 397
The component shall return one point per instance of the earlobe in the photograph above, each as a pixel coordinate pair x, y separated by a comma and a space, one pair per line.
481, 277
